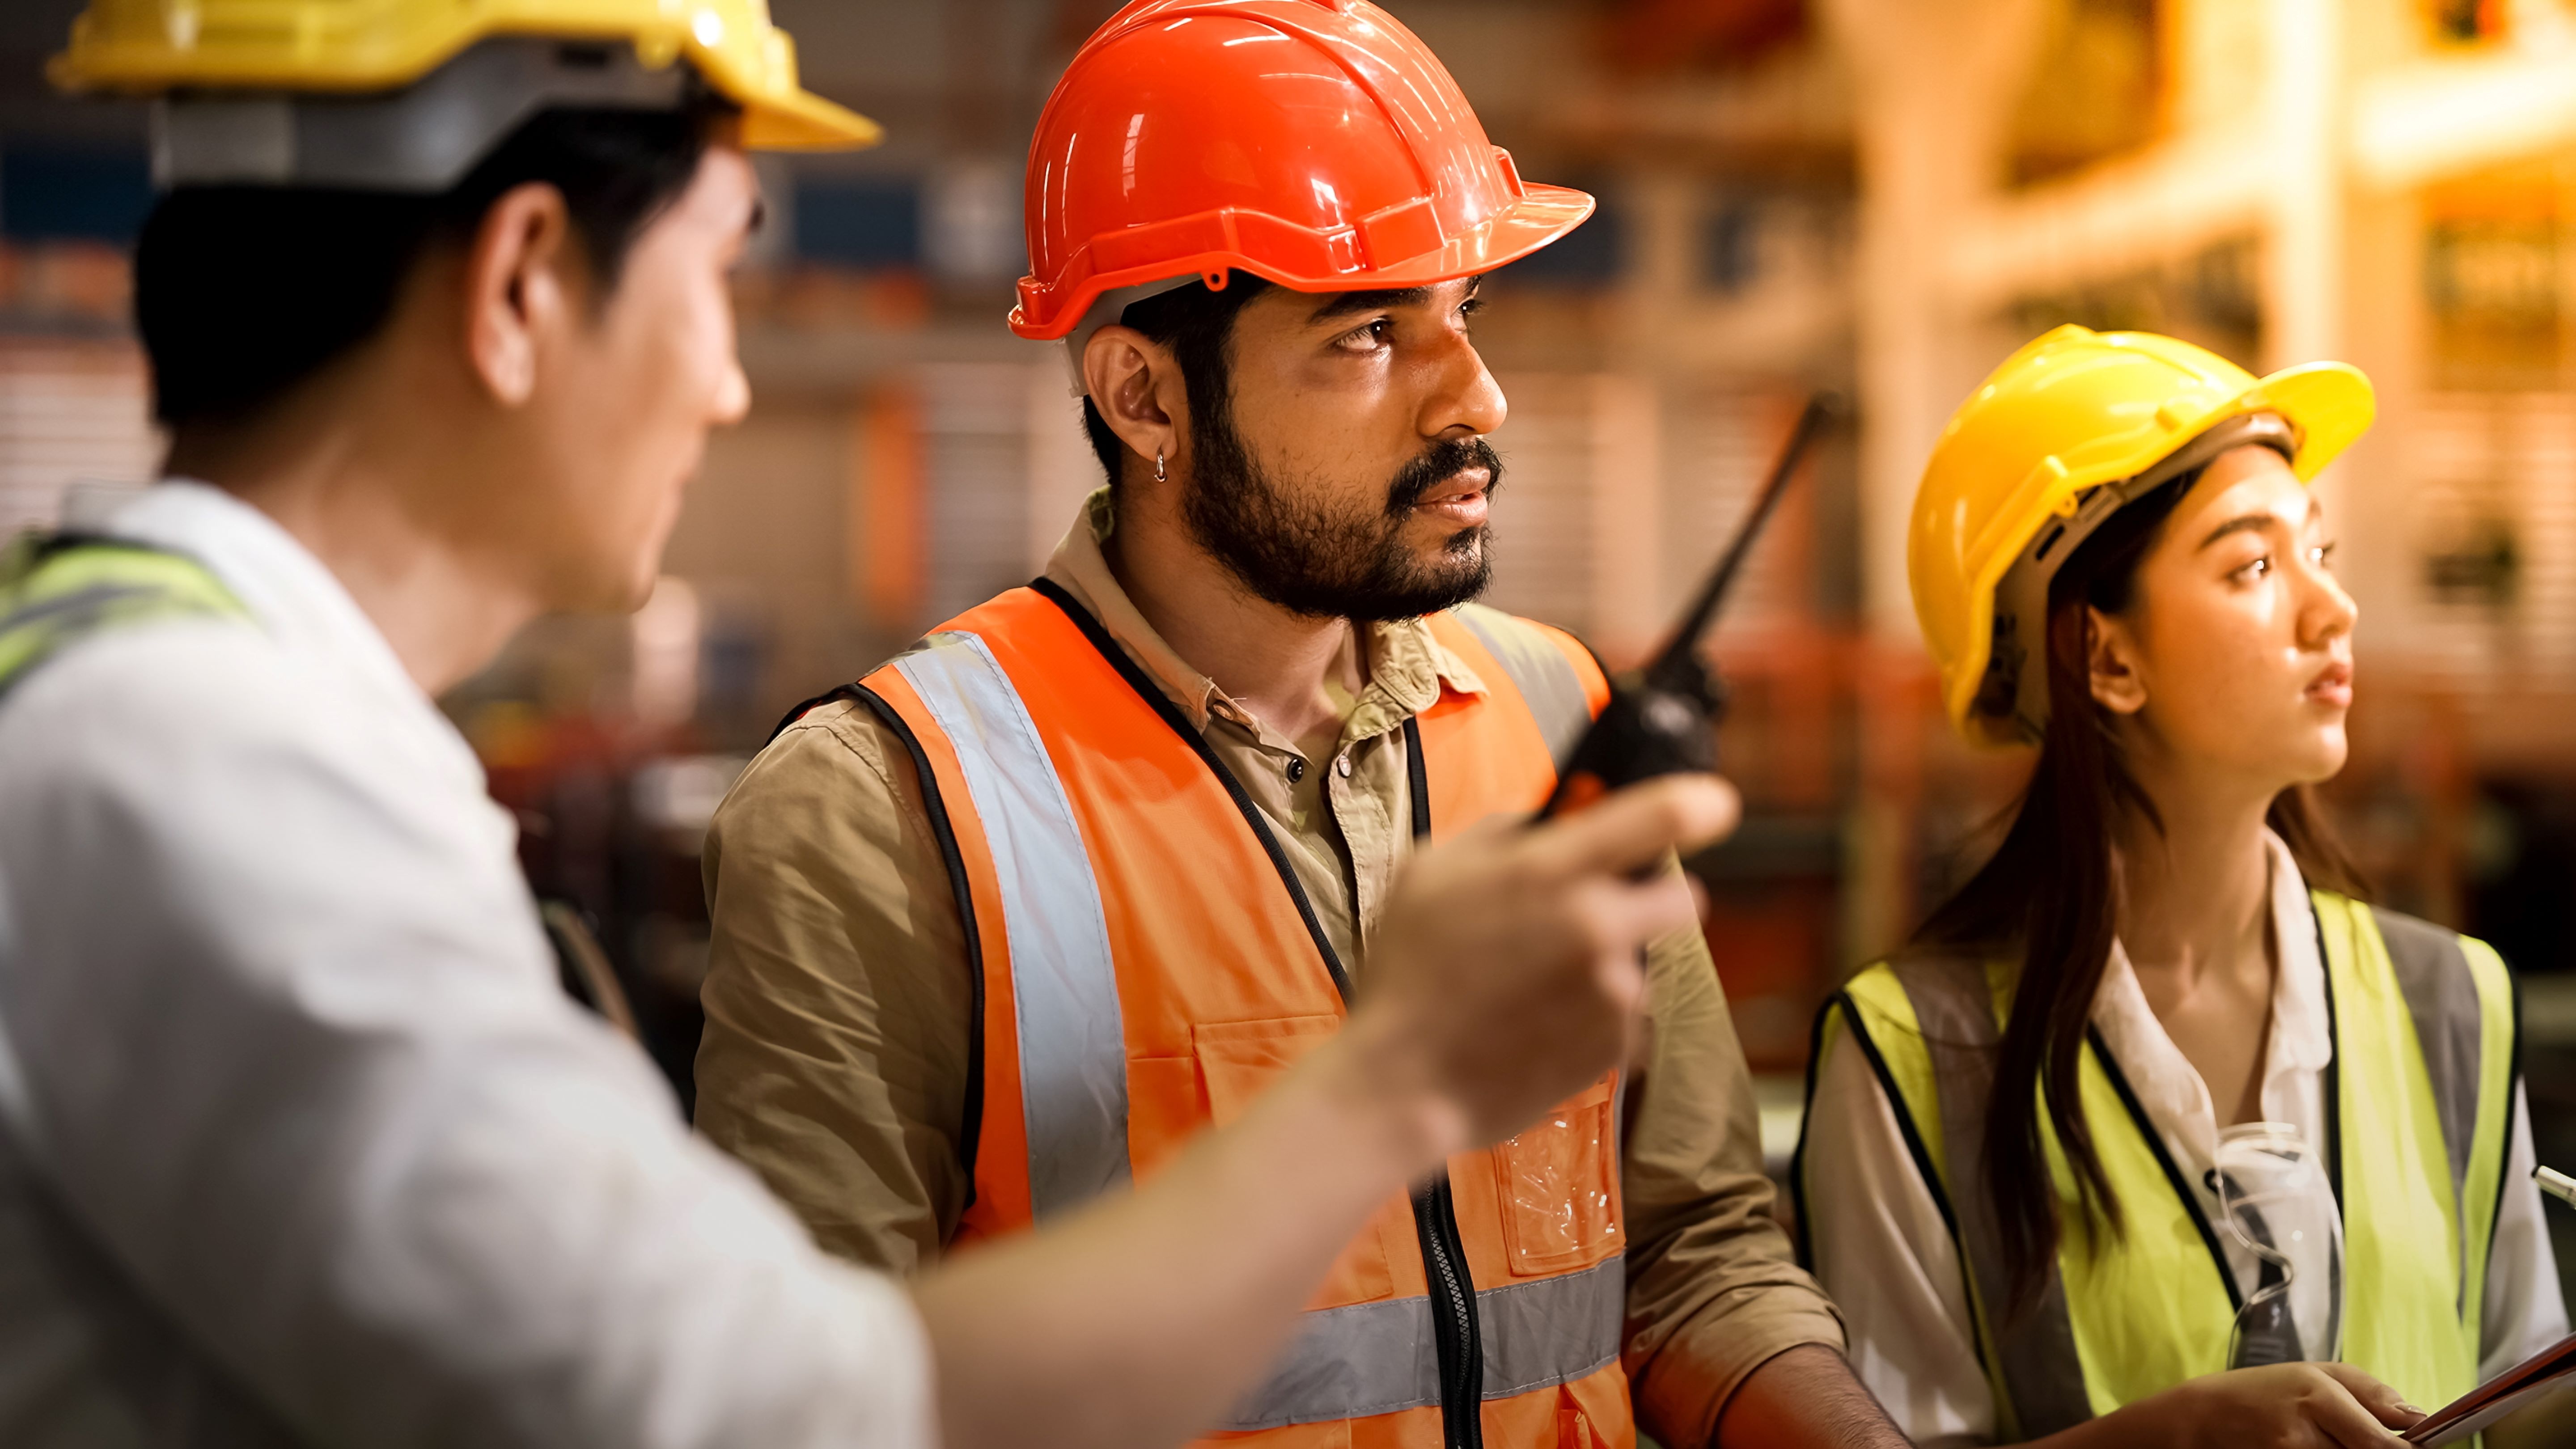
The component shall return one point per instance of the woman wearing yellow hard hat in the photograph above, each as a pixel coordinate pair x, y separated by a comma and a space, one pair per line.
2155, 1106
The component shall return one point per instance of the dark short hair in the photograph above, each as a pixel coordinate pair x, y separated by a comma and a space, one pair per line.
1197, 324
242, 293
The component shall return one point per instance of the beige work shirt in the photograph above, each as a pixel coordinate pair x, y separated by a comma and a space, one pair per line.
840, 1007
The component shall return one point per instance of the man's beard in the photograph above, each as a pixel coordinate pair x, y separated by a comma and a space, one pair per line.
1324, 565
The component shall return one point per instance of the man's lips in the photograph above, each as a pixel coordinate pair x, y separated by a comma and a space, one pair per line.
1460, 498
2333, 686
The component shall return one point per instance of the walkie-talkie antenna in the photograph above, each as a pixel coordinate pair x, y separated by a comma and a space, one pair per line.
1663, 720
1678, 650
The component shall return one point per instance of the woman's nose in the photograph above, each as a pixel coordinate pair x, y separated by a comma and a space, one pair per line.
2329, 613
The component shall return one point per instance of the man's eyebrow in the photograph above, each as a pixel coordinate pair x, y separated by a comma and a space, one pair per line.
1343, 304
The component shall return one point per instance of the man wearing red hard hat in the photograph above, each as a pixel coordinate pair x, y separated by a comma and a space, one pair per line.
1004, 924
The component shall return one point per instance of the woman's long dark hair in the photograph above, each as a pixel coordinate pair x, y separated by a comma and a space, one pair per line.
2049, 896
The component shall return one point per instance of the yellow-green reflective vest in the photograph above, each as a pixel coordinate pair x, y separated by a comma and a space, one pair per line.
60, 588
2418, 1100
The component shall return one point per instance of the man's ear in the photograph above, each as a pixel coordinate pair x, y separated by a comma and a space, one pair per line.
2111, 664
517, 293
1136, 385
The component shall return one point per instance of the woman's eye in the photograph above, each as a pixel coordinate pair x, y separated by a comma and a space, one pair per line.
2255, 570
2322, 556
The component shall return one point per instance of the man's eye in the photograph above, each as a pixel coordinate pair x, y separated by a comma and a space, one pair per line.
1369, 337
2322, 555
2255, 570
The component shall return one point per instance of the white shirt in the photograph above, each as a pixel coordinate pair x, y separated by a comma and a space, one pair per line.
299, 1140
1884, 1254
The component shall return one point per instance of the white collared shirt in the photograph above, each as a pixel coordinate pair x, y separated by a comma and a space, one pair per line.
299, 1139
1885, 1255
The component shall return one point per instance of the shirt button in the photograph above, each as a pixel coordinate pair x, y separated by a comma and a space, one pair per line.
1296, 770
1342, 766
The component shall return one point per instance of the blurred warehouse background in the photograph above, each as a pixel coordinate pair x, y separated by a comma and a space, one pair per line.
1884, 196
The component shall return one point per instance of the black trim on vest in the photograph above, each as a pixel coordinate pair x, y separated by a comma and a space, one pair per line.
970, 1126
1161, 703
1898, 1108
1417, 779
1915, 1148
1593, 654
800, 710
2512, 1113
2332, 1089
1799, 1243
2173, 1174
1457, 1338
1435, 1217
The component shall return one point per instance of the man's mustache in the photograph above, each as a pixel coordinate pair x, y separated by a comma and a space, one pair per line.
1438, 464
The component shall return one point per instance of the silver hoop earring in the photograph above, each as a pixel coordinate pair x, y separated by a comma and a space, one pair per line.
1158, 467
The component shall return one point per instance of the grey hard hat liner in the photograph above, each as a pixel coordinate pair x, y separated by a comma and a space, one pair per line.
2017, 666
422, 139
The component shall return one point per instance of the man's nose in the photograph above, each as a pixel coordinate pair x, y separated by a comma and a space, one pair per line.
1468, 402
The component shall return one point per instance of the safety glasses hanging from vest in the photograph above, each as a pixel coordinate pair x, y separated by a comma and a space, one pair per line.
2276, 1203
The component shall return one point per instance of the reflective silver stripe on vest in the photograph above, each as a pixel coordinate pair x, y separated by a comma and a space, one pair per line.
1379, 1358
1955, 1009
1064, 987
2433, 975
89, 600
1539, 670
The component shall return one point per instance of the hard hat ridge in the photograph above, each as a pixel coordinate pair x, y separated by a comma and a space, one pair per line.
421, 139
313, 92
1315, 143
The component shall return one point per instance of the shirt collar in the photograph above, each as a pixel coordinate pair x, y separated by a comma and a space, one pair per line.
1407, 664
2302, 1034
2301, 1039
296, 599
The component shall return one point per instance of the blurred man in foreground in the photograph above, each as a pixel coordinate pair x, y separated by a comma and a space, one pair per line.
1001, 926
298, 1141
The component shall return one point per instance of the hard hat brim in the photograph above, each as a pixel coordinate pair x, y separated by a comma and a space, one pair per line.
1541, 215
778, 112
2330, 404
804, 121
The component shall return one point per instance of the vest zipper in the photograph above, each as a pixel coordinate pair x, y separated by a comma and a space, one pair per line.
1455, 1334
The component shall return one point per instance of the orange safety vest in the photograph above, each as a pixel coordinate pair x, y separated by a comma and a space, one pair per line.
1148, 963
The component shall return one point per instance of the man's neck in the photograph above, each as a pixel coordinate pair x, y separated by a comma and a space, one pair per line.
353, 492
1293, 672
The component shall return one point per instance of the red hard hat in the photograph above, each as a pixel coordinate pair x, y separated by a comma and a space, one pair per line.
1317, 143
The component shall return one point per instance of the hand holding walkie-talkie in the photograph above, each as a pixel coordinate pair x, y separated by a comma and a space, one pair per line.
1662, 720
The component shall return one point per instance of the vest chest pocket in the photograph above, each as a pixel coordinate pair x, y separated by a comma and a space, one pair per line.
1559, 1186
1237, 1061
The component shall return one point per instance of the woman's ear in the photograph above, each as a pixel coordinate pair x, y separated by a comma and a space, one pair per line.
2112, 664
1135, 384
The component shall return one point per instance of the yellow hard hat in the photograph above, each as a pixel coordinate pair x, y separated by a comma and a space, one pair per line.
156, 47
2067, 430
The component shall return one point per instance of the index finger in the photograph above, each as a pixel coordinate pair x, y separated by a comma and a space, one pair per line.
1630, 829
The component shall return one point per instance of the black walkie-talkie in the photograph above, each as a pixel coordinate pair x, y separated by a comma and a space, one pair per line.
1662, 720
